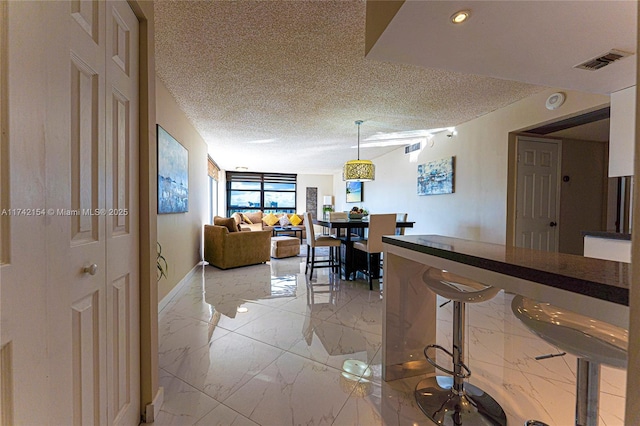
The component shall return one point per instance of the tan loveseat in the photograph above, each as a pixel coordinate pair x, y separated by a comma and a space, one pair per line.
226, 249
256, 223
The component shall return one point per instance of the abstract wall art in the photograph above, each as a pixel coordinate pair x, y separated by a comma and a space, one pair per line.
436, 177
173, 174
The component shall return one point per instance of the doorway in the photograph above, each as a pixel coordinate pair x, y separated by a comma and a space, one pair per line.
586, 197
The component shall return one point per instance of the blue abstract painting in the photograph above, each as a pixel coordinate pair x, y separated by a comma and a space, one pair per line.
173, 174
436, 177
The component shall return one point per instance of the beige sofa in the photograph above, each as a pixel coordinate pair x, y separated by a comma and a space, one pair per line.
225, 249
258, 225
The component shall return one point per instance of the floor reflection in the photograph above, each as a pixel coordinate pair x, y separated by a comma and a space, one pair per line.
264, 345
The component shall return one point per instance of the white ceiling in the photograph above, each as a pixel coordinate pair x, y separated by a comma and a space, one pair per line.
537, 42
276, 86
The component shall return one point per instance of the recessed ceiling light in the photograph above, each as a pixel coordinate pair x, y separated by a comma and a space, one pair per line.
460, 17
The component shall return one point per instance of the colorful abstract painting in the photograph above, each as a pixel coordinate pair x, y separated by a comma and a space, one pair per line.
436, 177
173, 174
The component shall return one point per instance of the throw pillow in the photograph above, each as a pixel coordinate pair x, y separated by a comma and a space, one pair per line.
254, 217
229, 223
295, 220
246, 219
270, 219
238, 218
284, 220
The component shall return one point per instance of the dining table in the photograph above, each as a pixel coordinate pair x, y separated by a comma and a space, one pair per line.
352, 226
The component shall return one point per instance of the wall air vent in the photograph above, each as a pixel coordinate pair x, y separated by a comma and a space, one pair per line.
603, 60
410, 148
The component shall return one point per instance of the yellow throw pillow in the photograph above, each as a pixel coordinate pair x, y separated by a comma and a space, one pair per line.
246, 219
270, 219
295, 219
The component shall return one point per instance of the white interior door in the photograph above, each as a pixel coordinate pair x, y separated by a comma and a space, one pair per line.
537, 198
69, 353
75, 164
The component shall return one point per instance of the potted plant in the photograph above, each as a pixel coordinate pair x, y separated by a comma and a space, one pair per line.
325, 211
161, 262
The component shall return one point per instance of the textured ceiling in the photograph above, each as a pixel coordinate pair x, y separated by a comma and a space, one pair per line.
276, 86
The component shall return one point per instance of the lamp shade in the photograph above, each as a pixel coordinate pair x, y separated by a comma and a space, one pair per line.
327, 200
359, 171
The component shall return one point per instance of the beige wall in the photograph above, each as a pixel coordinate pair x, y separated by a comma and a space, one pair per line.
180, 234
324, 183
478, 208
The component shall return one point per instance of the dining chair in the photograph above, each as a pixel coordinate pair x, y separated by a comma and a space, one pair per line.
401, 217
341, 216
379, 225
314, 241
337, 216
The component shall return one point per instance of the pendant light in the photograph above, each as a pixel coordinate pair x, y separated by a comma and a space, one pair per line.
358, 170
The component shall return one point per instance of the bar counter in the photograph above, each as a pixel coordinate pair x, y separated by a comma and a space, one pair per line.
592, 287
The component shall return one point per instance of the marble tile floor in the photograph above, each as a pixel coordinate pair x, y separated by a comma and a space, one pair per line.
263, 345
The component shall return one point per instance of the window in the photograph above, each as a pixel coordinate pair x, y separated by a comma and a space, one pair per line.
268, 192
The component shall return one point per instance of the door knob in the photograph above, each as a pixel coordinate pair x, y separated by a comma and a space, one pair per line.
91, 269
552, 224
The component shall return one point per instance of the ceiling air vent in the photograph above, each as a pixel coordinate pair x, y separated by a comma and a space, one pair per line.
411, 148
603, 60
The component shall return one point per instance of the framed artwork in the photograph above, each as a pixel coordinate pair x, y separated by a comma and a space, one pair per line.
173, 174
354, 192
436, 177
312, 201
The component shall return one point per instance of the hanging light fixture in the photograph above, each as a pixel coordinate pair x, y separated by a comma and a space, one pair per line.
358, 170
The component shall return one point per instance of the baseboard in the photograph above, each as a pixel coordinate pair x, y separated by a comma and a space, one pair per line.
152, 410
175, 290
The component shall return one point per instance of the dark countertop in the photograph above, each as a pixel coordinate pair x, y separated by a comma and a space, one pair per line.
602, 279
604, 234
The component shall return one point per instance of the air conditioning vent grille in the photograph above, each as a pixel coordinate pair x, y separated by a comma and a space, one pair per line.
410, 148
603, 60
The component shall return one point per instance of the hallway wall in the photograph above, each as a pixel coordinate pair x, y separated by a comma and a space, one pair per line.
180, 234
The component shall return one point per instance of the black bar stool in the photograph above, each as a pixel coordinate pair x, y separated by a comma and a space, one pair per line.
451, 400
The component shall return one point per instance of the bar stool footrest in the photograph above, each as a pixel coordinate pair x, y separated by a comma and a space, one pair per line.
431, 361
